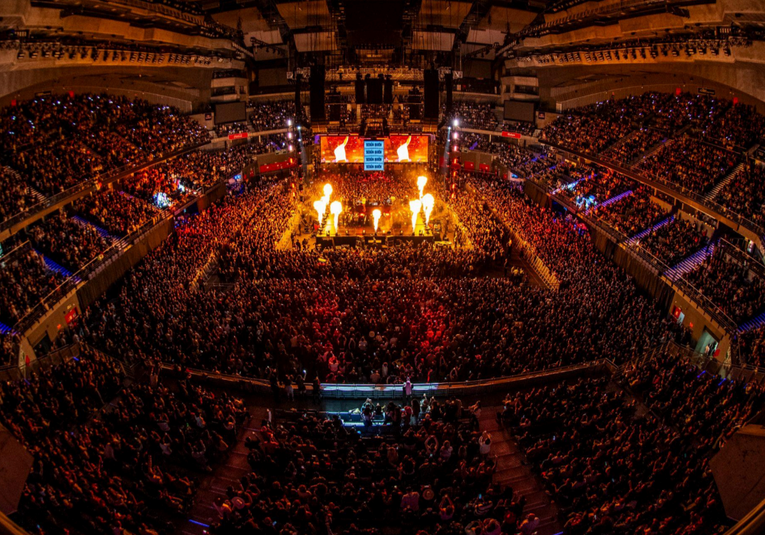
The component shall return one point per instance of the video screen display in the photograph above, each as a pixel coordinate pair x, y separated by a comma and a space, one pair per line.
517, 110
374, 155
230, 112
398, 149
406, 149
342, 149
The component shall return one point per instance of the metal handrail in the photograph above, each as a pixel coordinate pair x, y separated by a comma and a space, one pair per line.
755, 228
83, 274
91, 182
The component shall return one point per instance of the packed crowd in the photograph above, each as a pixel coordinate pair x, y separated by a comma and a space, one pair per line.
599, 186
223, 130
584, 133
431, 473
745, 194
738, 292
751, 347
632, 214
117, 212
698, 405
430, 325
470, 114
674, 241
55, 142
70, 243
739, 126
634, 146
699, 140
266, 116
614, 469
116, 470
15, 195
689, 163
24, 280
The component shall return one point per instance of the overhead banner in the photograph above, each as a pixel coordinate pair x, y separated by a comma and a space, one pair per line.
396, 149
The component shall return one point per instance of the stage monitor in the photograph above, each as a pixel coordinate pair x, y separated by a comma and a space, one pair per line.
406, 149
230, 112
374, 155
518, 110
342, 149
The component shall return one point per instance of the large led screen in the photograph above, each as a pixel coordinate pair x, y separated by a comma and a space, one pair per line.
342, 149
406, 149
398, 149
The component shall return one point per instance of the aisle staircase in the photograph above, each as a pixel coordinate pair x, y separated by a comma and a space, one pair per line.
102, 231
5, 329
754, 323
203, 514
651, 151
513, 472
612, 200
712, 195
644, 233
57, 268
689, 264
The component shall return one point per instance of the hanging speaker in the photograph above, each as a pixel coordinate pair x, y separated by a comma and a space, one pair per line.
298, 104
360, 98
449, 81
431, 94
317, 93
388, 93
374, 91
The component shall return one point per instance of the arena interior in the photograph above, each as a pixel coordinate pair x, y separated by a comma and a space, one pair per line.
380, 267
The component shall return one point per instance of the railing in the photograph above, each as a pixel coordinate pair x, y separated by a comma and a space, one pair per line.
743, 257
653, 181
42, 205
56, 357
85, 273
363, 390
112, 175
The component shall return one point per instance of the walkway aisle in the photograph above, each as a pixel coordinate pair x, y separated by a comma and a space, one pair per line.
203, 513
511, 472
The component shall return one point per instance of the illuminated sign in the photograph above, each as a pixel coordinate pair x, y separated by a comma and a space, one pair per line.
374, 155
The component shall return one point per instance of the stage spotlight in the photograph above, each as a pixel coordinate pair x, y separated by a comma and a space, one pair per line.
456, 123
289, 122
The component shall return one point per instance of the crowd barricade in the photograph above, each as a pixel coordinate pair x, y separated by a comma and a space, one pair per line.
392, 391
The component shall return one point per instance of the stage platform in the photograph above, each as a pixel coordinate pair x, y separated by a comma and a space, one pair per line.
381, 240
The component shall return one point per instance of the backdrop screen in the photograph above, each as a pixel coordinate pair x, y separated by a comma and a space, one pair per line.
342, 149
374, 155
516, 110
398, 149
230, 112
405, 149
